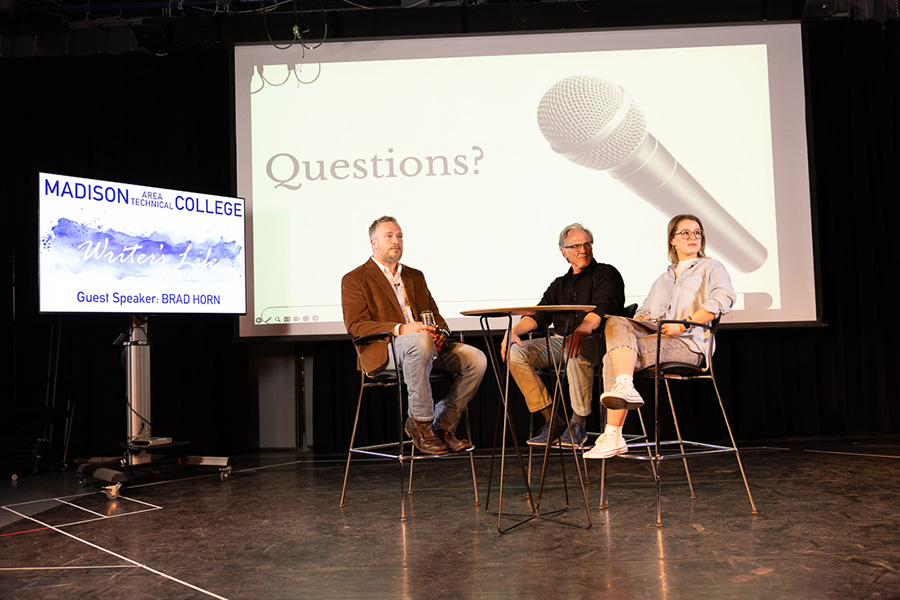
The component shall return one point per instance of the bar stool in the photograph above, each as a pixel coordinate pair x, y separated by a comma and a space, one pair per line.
671, 371
393, 378
630, 438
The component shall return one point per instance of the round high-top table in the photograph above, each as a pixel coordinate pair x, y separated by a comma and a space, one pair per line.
571, 312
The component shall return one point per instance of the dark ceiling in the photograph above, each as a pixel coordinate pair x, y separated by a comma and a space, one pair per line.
82, 27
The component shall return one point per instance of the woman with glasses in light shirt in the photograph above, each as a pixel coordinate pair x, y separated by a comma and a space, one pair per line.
694, 288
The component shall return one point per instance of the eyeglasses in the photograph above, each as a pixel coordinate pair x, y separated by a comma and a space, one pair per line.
687, 235
578, 247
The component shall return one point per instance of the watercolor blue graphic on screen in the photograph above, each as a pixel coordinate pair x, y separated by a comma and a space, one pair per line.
87, 248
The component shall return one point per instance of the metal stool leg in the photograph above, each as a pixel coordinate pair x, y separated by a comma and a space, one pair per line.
734, 445
604, 498
352, 440
412, 455
471, 455
400, 438
687, 471
644, 431
530, 447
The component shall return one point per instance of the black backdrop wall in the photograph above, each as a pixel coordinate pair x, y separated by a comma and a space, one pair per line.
161, 121
166, 121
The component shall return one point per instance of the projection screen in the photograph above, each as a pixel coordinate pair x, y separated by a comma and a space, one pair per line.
444, 135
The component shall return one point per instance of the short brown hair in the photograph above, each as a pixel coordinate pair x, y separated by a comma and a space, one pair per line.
379, 221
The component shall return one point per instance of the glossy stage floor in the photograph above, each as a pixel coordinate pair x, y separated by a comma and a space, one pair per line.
827, 527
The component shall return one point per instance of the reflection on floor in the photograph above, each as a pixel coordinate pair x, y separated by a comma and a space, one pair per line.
827, 527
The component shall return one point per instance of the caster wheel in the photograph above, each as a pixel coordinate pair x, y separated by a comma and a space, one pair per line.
112, 491
225, 473
82, 480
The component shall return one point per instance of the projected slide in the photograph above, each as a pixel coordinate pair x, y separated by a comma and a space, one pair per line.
484, 148
109, 247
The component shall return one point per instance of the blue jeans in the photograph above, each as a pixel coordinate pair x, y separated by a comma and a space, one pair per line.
418, 356
524, 362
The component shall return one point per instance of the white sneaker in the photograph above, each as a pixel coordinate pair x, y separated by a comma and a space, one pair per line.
622, 395
607, 446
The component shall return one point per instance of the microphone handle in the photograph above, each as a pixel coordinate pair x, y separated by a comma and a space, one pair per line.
653, 174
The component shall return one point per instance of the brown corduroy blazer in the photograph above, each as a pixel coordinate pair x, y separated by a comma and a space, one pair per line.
371, 306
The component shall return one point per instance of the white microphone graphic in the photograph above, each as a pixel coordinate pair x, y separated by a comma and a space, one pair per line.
595, 124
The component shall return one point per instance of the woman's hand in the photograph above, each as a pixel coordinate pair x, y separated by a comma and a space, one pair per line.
673, 329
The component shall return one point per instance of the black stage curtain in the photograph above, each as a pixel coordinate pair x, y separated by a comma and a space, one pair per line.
161, 121
166, 121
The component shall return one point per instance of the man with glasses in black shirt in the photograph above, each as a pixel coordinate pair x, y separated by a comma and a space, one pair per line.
586, 282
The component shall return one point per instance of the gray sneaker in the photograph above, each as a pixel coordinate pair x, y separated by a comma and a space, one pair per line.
543, 436
576, 440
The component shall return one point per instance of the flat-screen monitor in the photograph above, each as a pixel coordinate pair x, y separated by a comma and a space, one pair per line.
110, 247
485, 147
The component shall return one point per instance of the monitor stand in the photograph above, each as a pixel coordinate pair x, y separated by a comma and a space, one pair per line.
137, 393
139, 439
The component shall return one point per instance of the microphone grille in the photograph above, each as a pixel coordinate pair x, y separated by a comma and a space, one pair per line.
587, 119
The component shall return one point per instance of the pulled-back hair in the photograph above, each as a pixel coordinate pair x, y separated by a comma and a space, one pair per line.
673, 224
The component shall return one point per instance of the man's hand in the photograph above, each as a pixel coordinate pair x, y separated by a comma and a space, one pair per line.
513, 339
414, 327
576, 340
437, 336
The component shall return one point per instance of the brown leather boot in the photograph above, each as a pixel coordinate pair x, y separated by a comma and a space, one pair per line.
423, 436
452, 442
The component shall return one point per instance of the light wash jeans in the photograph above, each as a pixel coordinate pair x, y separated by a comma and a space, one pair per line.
418, 356
524, 362
620, 332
